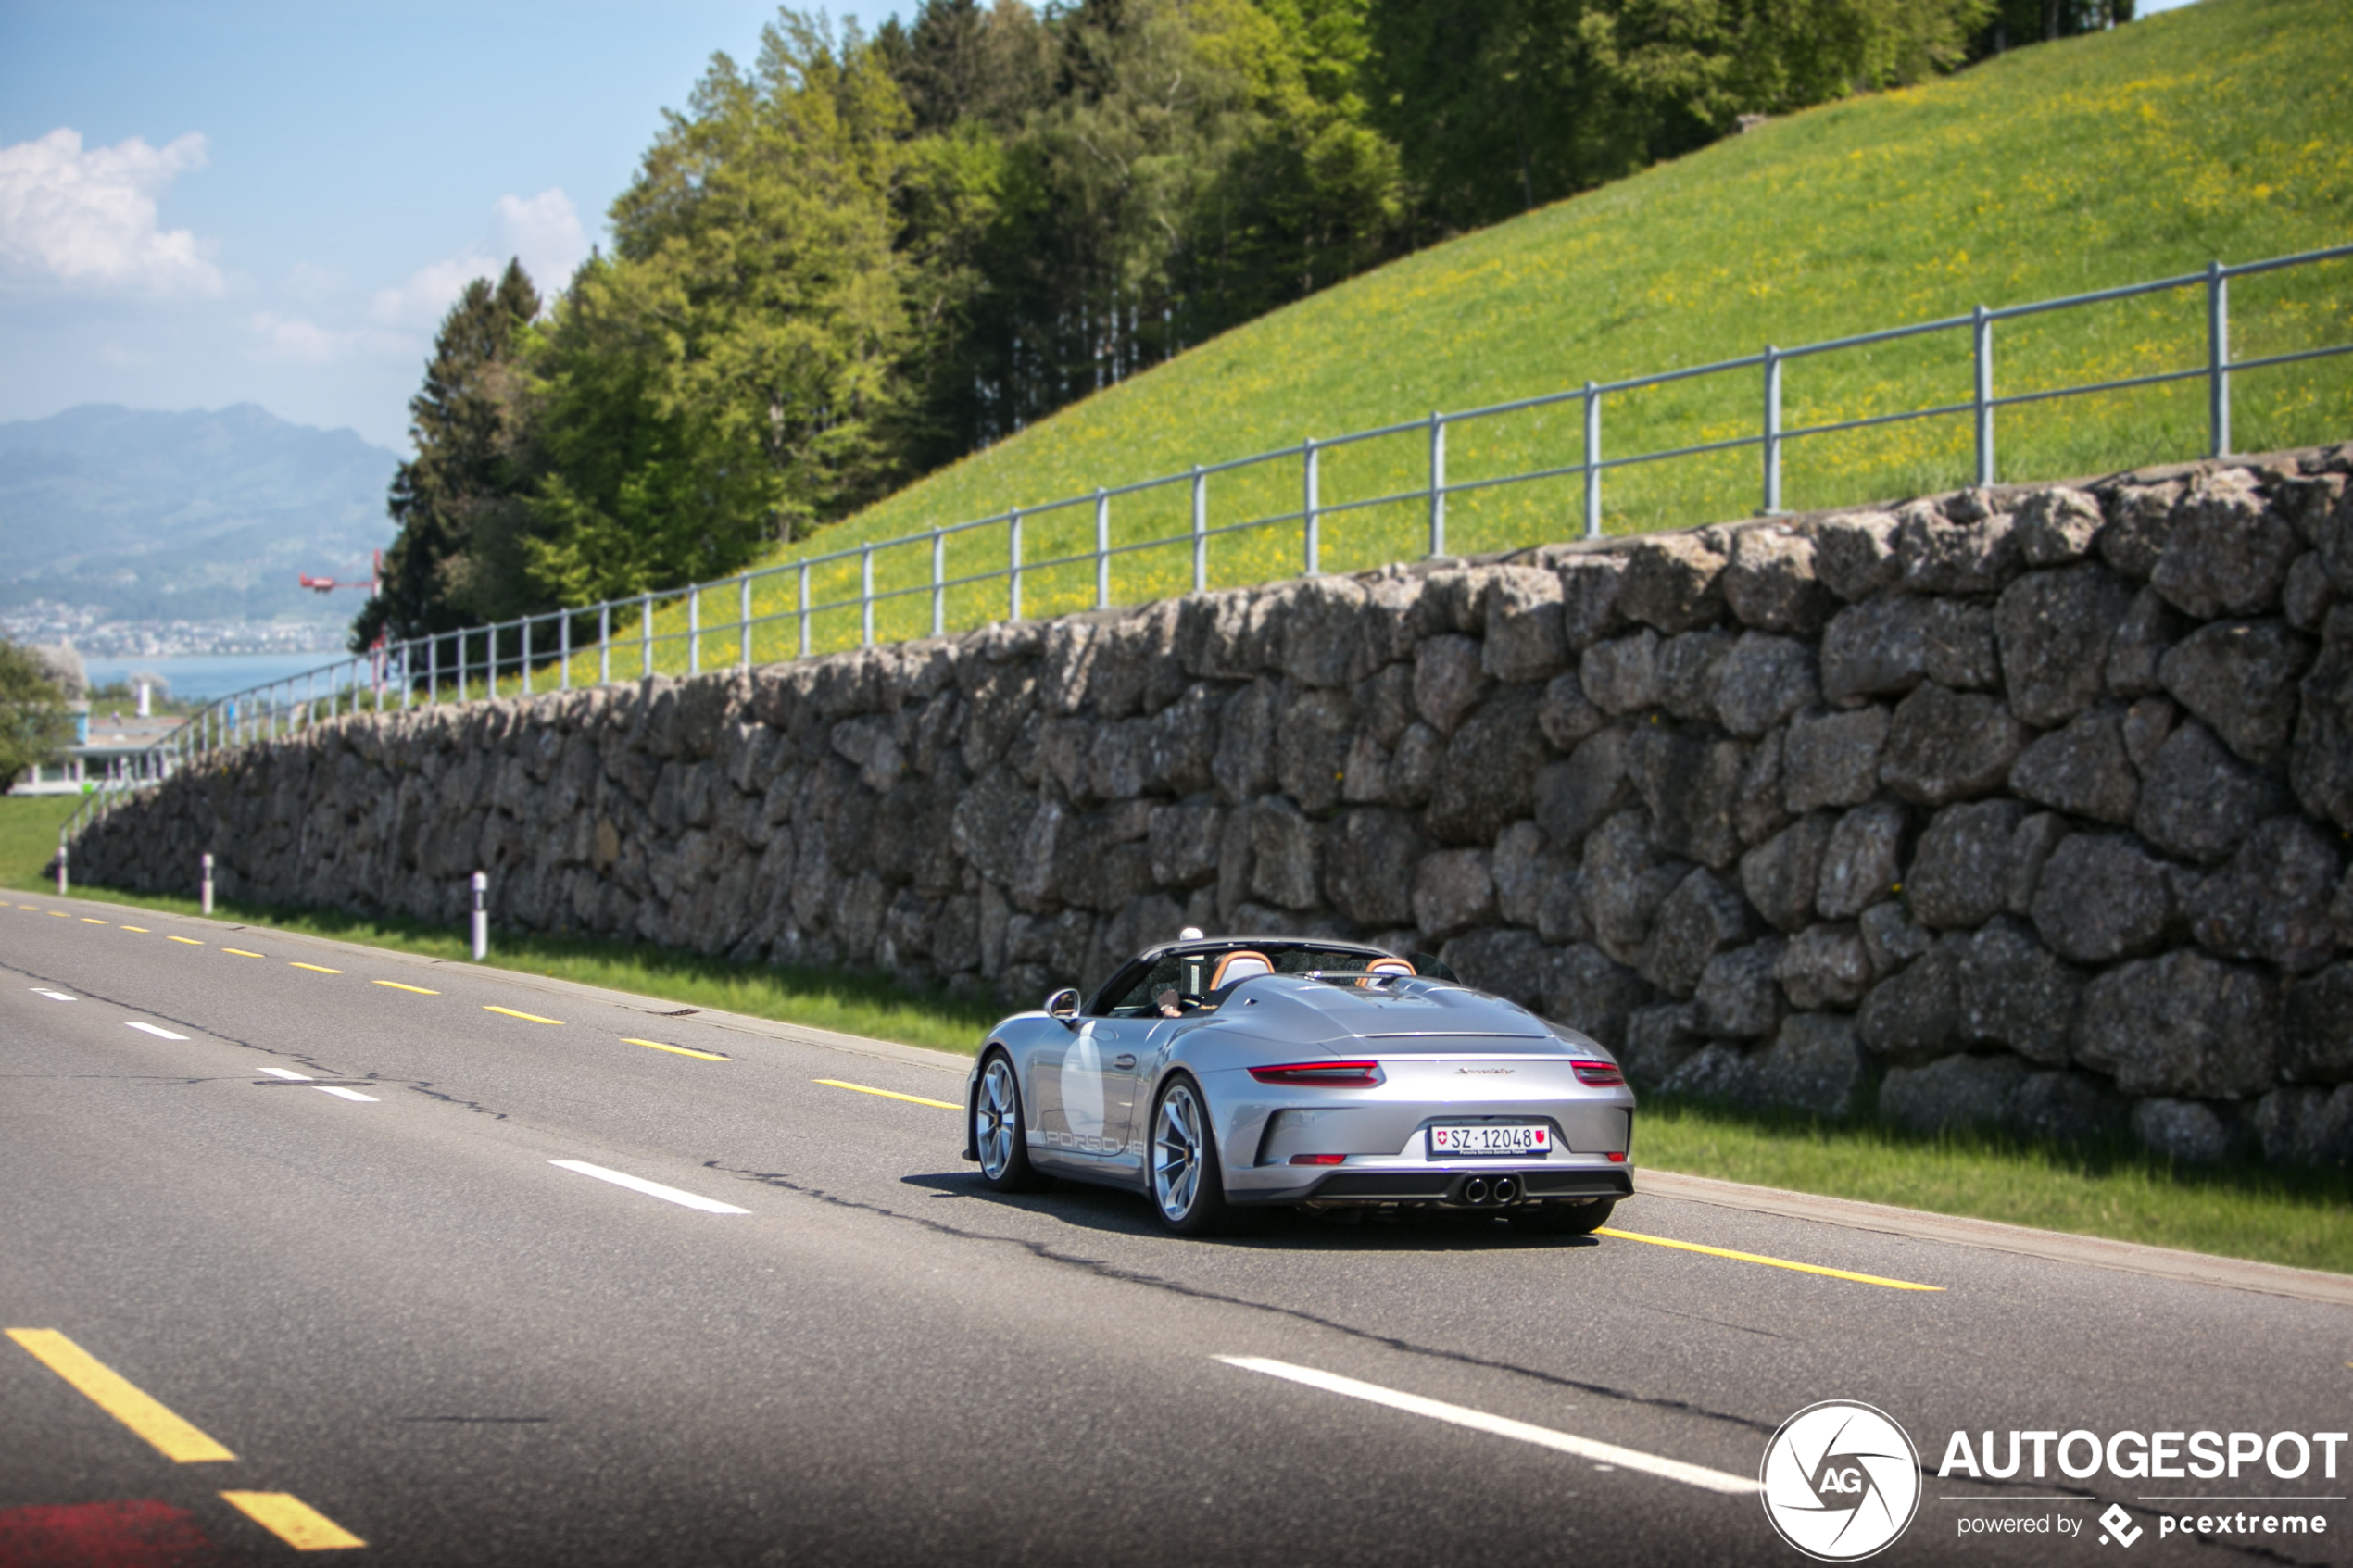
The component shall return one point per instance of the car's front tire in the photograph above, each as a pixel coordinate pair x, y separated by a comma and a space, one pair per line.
998, 1132
1564, 1219
1188, 1181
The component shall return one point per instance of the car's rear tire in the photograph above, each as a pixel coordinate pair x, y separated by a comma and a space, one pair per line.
999, 1132
1188, 1180
1562, 1218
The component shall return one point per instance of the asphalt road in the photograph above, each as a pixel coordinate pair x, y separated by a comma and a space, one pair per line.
307, 1200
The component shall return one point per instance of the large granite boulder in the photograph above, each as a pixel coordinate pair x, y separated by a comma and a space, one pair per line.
2271, 900
1945, 745
2103, 897
2181, 1024
2240, 676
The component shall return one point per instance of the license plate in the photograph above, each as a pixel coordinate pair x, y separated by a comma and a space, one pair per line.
1524, 1139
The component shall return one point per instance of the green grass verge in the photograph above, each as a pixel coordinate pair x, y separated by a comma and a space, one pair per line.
2218, 130
2118, 1190
28, 826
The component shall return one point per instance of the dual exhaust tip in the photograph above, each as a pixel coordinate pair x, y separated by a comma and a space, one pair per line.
1481, 1192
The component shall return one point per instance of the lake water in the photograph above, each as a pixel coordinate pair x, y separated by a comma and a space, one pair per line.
209, 675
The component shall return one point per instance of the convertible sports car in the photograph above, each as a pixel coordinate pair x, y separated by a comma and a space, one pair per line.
1212, 1073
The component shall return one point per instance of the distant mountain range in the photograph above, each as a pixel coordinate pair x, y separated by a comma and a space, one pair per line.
208, 514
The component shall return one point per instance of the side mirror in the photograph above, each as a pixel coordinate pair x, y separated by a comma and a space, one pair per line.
1063, 1004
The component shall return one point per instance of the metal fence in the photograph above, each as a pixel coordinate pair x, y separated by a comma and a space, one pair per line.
625, 641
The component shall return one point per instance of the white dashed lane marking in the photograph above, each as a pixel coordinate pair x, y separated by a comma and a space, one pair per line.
1603, 1455
158, 1033
287, 1074
52, 996
652, 1189
345, 1094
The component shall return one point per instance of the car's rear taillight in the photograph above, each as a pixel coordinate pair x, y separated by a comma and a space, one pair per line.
1317, 1159
1600, 1075
1334, 1074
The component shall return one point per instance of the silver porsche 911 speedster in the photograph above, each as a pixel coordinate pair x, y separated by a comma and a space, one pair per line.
1212, 1073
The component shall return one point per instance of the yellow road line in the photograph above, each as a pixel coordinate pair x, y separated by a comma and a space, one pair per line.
60, 914
678, 1050
87, 920
315, 968
1768, 1262
115, 1395
188, 940
526, 1017
292, 1519
240, 952
889, 1094
139, 929
399, 986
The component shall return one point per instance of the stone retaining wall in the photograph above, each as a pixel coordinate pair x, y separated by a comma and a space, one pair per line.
2024, 807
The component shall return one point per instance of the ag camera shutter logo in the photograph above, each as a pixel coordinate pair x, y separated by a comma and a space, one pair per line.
1840, 1481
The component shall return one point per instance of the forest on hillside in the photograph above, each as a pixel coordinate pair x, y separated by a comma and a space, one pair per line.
859, 256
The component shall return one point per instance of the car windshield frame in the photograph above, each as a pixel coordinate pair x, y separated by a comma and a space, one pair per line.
1131, 990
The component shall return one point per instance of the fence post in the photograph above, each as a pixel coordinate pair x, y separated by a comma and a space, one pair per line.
525, 661
1981, 396
804, 610
1200, 531
604, 644
490, 662
1437, 484
481, 917
1593, 461
563, 652
433, 672
1102, 549
1313, 544
1772, 431
2217, 358
694, 630
866, 595
1012, 568
61, 863
646, 633
204, 890
938, 574
743, 607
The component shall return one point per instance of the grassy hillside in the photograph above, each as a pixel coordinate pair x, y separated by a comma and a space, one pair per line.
2218, 130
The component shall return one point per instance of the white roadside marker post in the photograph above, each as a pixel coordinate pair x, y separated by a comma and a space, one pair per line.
61, 865
481, 917
205, 892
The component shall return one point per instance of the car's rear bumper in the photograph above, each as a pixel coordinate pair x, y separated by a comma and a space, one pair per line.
1428, 1185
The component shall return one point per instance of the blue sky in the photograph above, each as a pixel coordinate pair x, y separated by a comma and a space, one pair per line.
205, 204
259, 201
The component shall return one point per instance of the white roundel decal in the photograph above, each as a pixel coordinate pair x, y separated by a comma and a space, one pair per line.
1840, 1481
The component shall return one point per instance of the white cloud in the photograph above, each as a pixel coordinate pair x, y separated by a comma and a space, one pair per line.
543, 232
88, 217
300, 342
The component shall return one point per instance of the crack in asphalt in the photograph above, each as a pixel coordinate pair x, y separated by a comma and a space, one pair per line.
1100, 1269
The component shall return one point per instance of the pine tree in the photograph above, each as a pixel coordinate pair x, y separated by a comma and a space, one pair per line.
457, 556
